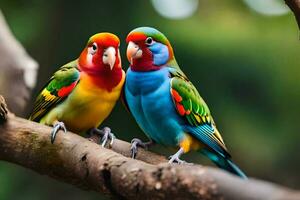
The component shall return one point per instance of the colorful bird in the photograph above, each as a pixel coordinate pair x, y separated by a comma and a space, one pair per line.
82, 93
166, 105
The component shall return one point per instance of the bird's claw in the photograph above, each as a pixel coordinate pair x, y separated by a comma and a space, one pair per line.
133, 149
107, 135
175, 159
56, 127
135, 143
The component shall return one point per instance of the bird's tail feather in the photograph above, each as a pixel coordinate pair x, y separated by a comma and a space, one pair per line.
224, 163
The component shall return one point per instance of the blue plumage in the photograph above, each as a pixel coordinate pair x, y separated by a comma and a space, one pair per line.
149, 100
160, 53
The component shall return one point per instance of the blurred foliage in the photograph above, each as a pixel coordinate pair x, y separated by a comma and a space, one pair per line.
244, 64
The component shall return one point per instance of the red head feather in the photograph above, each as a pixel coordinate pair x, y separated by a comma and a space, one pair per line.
139, 36
91, 62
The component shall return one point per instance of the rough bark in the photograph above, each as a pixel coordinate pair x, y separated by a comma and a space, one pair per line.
78, 161
3, 110
294, 5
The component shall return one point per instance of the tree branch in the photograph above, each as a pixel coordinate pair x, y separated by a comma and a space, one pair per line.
78, 161
3, 110
18, 70
294, 5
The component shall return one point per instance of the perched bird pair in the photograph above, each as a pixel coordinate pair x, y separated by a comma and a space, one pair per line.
165, 104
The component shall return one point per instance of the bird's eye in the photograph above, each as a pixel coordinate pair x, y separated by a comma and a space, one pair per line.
93, 48
149, 41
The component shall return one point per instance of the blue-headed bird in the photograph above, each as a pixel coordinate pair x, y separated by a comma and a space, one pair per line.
166, 105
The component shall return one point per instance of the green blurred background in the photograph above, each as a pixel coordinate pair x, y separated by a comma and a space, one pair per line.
244, 63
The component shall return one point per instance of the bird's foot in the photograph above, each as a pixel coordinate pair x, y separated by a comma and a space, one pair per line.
56, 127
176, 158
136, 143
105, 134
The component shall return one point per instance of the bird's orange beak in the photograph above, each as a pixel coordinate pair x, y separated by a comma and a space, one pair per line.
133, 52
109, 57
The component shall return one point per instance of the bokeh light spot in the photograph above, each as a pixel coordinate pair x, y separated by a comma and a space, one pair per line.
175, 9
268, 7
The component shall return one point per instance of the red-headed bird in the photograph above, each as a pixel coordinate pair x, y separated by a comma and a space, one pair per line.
166, 105
82, 93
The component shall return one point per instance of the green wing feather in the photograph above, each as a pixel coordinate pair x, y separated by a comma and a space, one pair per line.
191, 106
56, 90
